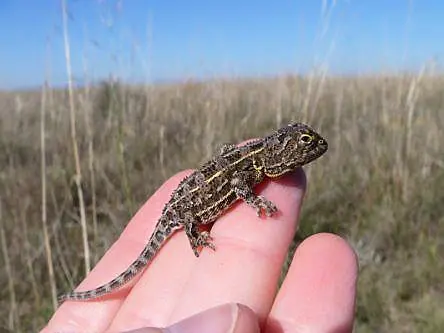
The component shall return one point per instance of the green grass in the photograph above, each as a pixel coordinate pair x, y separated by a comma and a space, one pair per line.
380, 186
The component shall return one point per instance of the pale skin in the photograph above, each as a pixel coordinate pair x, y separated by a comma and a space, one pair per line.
318, 294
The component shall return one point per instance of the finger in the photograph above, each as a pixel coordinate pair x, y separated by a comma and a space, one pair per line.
156, 293
96, 315
164, 282
228, 318
250, 252
318, 294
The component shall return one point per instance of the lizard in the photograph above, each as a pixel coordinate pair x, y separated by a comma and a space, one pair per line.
210, 190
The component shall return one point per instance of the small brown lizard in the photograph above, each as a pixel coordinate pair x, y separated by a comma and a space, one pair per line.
205, 194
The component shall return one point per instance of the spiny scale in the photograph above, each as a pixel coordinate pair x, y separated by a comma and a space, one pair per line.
204, 195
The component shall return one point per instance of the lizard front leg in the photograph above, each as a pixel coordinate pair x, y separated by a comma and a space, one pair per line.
196, 237
245, 192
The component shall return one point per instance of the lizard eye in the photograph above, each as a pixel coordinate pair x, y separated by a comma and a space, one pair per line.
306, 138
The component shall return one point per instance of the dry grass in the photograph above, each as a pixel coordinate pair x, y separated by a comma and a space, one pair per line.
379, 186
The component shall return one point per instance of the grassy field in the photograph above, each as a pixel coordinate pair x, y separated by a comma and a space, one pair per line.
380, 186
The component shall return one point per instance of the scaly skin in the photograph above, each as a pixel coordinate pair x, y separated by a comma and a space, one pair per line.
204, 195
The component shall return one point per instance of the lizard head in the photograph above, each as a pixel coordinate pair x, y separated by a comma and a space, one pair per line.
291, 147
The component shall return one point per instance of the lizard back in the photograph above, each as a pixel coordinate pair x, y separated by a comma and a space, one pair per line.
204, 195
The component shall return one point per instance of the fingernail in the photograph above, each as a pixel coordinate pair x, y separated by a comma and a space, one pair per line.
227, 318
221, 319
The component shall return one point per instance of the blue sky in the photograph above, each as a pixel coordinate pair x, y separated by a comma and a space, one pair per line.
156, 40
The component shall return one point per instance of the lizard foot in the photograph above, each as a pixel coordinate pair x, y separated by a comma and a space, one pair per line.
263, 204
203, 240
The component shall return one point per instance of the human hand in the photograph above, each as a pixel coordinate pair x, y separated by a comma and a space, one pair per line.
318, 294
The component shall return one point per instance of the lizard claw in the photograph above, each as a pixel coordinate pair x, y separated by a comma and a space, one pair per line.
204, 240
263, 203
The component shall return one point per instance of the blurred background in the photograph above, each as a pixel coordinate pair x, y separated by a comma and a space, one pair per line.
99, 97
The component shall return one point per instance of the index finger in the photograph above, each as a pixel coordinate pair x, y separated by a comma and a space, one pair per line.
96, 315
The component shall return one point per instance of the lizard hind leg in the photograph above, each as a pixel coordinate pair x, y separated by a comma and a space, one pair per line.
198, 238
226, 148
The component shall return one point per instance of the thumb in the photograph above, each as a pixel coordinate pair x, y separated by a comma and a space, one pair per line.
227, 318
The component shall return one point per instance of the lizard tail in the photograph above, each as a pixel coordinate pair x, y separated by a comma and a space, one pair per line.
147, 254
